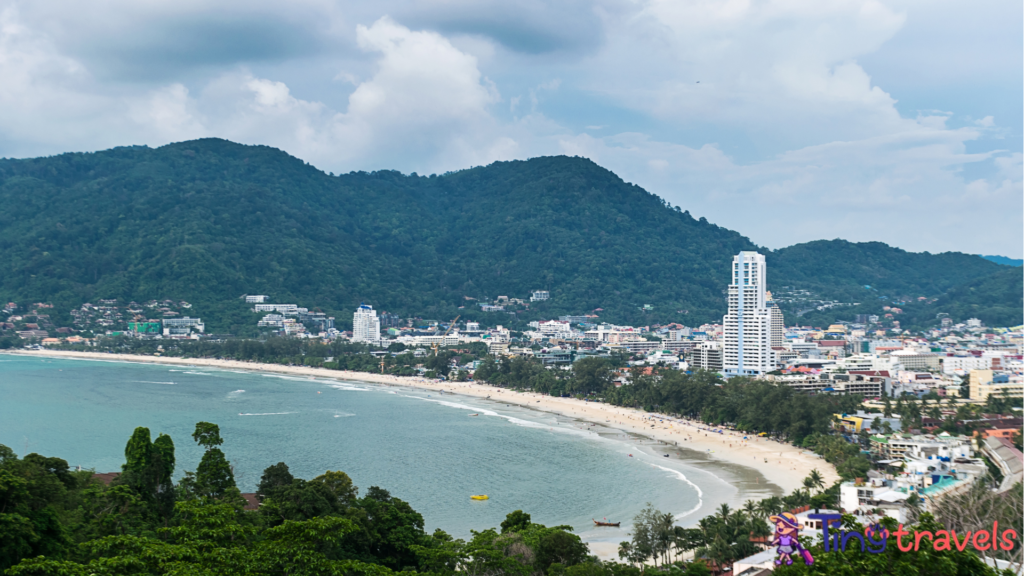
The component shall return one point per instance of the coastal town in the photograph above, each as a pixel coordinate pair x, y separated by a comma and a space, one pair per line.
939, 411
964, 361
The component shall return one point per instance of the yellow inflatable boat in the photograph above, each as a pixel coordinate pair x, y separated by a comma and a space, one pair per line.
479, 497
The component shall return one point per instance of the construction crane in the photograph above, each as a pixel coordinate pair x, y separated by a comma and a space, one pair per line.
450, 326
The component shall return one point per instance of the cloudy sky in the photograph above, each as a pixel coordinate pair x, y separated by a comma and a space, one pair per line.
787, 120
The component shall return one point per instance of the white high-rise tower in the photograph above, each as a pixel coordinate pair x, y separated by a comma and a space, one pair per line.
748, 325
366, 325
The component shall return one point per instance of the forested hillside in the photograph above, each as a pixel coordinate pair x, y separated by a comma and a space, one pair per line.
996, 300
209, 220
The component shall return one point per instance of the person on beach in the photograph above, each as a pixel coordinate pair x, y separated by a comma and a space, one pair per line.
786, 529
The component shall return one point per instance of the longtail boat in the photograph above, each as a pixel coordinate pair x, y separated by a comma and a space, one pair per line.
615, 524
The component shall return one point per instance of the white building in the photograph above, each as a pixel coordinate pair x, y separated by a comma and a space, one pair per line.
255, 298
778, 324
271, 321
613, 334
667, 358
182, 326
554, 328
915, 360
868, 362
286, 309
539, 295
708, 356
366, 325
747, 327
453, 339
964, 364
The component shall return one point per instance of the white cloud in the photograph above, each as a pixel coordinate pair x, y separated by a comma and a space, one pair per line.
168, 114
426, 105
906, 189
787, 136
784, 71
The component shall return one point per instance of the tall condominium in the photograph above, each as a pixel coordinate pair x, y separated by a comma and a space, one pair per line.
366, 325
778, 325
747, 328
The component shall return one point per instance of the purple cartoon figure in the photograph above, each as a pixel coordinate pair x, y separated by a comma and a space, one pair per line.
786, 529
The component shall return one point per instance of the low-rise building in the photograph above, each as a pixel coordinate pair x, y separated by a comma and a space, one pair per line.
984, 383
965, 364
663, 357
554, 328
944, 446
286, 309
182, 326
831, 383
871, 421
862, 496
271, 321
867, 362
912, 360
641, 346
1007, 458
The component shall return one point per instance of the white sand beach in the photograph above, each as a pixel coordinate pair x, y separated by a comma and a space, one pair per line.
781, 464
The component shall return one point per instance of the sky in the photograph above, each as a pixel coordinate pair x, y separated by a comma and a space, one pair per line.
786, 120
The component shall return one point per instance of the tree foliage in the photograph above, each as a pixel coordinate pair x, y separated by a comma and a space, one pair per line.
209, 220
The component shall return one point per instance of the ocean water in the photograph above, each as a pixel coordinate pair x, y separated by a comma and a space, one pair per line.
424, 448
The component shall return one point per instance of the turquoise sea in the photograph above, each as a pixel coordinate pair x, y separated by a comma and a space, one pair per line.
424, 448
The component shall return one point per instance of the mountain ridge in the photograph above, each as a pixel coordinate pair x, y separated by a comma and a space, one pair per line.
207, 220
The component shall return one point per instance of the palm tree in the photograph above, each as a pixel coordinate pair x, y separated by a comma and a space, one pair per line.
817, 480
759, 528
705, 525
808, 484
772, 505
719, 551
751, 508
663, 535
724, 511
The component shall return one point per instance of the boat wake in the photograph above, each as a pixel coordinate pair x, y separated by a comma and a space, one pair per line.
152, 382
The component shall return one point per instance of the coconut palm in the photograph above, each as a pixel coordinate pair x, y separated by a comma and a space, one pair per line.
808, 485
724, 511
817, 480
751, 508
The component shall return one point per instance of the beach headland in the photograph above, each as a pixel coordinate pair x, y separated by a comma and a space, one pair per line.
781, 464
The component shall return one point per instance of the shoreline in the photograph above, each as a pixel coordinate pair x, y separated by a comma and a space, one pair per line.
783, 465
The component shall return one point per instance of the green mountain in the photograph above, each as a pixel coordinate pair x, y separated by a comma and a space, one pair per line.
209, 220
1005, 260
